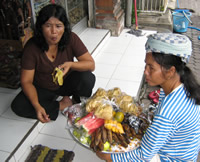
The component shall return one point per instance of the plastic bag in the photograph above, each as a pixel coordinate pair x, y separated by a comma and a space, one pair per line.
73, 112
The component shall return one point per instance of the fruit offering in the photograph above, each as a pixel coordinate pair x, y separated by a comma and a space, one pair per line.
109, 123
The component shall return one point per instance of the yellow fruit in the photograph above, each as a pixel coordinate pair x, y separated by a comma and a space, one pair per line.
114, 126
119, 117
106, 146
120, 128
58, 76
114, 129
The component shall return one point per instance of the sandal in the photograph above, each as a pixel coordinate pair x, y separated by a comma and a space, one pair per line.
154, 96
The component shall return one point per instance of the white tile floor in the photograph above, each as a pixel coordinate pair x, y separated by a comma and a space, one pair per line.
119, 63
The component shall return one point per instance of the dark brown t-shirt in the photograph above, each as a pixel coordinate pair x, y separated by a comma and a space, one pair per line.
34, 58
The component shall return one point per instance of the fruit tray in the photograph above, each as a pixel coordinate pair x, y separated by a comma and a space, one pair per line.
110, 121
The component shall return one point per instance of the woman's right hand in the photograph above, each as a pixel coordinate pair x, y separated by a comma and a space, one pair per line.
104, 156
42, 116
31, 92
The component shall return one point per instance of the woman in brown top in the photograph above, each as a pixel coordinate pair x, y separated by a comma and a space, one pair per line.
53, 45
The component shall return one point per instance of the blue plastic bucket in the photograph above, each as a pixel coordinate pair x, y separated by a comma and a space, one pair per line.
180, 21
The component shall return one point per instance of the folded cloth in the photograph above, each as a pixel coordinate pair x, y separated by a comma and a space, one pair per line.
170, 43
46, 154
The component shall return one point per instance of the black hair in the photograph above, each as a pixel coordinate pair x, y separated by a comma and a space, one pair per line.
186, 75
51, 10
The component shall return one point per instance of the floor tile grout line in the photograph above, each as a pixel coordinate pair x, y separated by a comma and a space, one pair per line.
119, 79
17, 120
5, 151
118, 64
108, 32
111, 52
54, 136
22, 141
98, 49
126, 50
109, 79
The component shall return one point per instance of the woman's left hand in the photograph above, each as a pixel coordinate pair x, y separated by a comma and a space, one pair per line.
104, 156
85, 63
65, 67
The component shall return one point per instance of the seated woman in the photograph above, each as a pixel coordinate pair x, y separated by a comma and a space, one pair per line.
175, 131
53, 45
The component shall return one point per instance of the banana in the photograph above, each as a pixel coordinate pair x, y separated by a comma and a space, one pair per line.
114, 126
97, 136
109, 136
58, 76
103, 134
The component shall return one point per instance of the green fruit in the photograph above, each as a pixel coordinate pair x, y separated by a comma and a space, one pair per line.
77, 119
83, 140
119, 117
89, 140
106, 146
76, 134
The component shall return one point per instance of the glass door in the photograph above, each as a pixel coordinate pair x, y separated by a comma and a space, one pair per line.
76, 10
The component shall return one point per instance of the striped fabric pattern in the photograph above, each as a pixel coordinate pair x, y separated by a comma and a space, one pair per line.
174, 133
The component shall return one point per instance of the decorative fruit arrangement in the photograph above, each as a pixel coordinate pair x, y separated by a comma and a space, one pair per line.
109, 123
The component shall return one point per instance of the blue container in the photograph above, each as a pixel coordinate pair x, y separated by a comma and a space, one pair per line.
180, 21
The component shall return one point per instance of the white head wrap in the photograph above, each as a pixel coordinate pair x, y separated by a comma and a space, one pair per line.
169, 43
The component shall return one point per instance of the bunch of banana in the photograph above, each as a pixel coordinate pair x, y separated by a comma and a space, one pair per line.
99, 138
103, 135
114, 126
58, 76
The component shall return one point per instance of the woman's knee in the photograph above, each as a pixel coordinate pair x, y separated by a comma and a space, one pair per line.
13, 105
16, 107
88, 80
22, 107
16, 103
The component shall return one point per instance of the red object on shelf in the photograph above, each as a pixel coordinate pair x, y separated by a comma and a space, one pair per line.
154, 96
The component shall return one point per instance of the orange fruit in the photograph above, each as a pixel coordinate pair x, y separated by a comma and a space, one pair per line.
119, 116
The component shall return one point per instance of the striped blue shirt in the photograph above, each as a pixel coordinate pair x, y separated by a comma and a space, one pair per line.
174, 134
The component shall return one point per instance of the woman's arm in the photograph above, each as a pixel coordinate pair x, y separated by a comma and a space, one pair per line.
30, 91
85, 63
155, 137
104, 156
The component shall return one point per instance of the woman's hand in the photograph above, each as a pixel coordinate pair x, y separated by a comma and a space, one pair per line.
42, 116
85, 63
103, 156
31, 92
65, 67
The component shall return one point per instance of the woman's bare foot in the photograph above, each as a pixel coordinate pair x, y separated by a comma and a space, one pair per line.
65, 102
